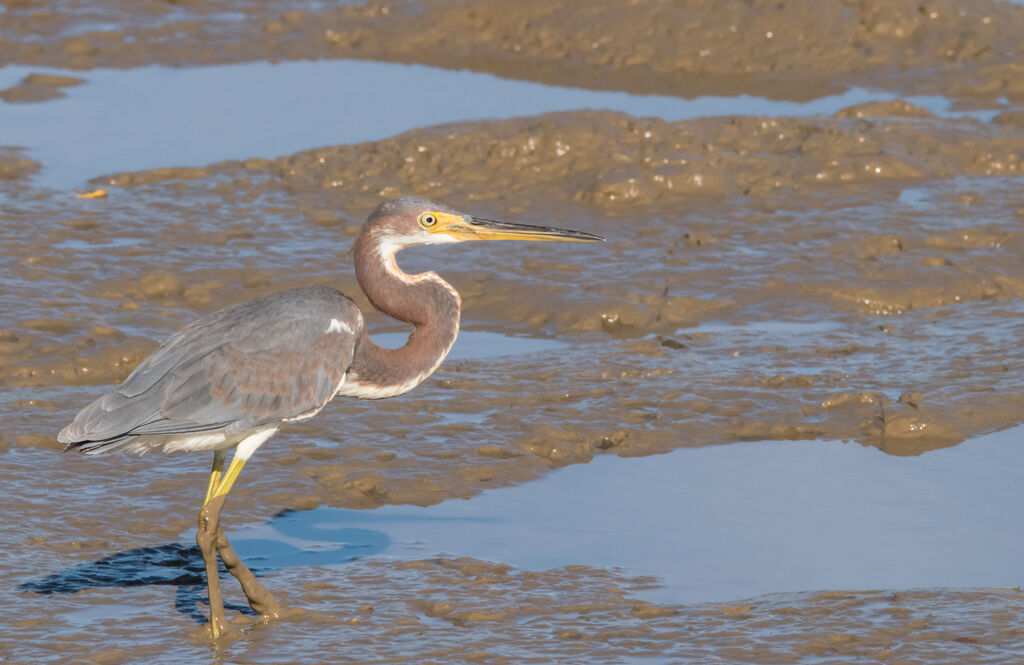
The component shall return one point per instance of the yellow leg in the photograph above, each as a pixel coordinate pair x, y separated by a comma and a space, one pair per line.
206, 537
211, 538
224, 486
215, 474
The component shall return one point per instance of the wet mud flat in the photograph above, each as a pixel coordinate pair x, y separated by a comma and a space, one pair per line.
112, 600
354, 595
287, 108
790, 50
464, 610
847, 285
853, 277
882, 253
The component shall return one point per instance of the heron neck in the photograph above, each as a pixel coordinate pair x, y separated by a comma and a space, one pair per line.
425, 300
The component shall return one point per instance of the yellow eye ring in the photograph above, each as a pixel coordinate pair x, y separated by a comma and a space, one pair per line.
428, 219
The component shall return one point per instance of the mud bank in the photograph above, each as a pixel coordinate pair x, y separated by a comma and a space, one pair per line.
615, 163
14, 165
103, 576
855, 277
793, 50
844, 278
476, 611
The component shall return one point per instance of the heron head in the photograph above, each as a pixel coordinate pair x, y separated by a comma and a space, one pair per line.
413, 220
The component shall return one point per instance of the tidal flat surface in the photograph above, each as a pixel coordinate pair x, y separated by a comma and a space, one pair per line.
190, 116
773, 419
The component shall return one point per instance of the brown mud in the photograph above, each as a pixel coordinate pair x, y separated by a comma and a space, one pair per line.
39, 88
466, 610
854, 277
731, 220
15, 165
745, 299
800, 49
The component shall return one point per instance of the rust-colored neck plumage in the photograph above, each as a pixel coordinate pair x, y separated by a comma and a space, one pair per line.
426, 301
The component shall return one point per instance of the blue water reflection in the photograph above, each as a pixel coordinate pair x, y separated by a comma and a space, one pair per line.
732, 521
149, 117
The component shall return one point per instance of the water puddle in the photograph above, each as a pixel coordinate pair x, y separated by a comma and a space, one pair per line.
101, 612
915, 197
151, 117
480, 344
714, 523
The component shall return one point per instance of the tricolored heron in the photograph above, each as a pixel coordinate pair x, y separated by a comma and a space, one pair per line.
234, 377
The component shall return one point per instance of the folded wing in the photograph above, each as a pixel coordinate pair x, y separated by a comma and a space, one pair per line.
271, 360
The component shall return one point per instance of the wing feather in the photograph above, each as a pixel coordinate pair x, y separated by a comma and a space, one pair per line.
277, 358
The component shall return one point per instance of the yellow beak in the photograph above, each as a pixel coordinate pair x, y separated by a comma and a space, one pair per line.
477, 228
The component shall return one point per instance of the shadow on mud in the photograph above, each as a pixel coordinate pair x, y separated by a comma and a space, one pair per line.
181, 565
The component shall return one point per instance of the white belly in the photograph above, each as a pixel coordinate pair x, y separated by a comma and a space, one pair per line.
247, 442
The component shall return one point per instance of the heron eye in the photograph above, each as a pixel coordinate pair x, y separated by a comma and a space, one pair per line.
428, 220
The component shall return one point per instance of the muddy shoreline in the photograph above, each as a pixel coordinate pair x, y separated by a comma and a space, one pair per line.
855, 277
469, 610
681, 203
795, 50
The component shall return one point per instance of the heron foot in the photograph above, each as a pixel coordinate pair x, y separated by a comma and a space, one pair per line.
219, 628
260, 600
206, 536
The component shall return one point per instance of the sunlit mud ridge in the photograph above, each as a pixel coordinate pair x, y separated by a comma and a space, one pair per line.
615, 163
849, 297
468, 610
796, 50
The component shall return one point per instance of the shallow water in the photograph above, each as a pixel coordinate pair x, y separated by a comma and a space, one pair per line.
152, 117
481, 344
717, 523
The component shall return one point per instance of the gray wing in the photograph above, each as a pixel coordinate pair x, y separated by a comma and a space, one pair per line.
277, 358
